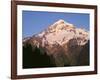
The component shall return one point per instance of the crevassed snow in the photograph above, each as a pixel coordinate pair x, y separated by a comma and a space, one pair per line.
59, 36
61, 32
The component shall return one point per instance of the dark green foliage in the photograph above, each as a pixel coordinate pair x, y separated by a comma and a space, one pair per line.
35, 58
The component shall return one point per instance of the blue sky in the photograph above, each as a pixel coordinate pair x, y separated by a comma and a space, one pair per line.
34, 22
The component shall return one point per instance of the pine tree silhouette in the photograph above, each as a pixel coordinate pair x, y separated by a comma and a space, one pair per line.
35, 58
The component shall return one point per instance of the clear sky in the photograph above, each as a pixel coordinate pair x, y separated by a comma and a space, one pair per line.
34, 22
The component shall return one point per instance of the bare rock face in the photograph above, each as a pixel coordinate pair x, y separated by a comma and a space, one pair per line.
61, 44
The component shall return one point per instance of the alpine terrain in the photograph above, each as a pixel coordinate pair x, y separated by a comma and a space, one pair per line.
61, 44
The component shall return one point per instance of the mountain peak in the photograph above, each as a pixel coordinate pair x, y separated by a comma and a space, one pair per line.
61, 40
61, 24
62, 32
60, 21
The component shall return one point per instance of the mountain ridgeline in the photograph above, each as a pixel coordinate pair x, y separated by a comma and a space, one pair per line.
61, 44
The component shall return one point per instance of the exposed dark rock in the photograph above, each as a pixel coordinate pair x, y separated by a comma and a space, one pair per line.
38, 58
83, 58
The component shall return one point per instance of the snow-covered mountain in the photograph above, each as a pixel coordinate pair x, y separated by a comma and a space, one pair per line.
61, 40
61, 32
